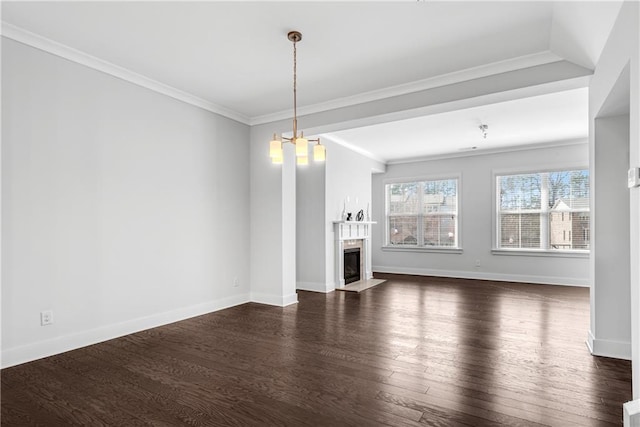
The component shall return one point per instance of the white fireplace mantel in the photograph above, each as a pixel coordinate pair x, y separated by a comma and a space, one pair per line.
345, 231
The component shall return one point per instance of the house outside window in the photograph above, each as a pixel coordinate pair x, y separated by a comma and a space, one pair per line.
422, 214
543, 211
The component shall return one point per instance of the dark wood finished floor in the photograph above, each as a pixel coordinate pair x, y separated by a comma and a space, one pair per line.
412, 351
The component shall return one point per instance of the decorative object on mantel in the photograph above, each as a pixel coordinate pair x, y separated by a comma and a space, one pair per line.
343, 216
360, 215
300, 142
349, 216
368, 217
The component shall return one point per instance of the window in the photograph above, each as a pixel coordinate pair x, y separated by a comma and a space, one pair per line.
423, 214
546, 210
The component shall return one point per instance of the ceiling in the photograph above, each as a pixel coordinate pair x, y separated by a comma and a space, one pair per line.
235, 55
560, 116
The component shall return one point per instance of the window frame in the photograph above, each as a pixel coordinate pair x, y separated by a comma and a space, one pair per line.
495, 224
420, 247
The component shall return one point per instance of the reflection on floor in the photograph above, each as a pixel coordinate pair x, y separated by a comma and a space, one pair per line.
417, 351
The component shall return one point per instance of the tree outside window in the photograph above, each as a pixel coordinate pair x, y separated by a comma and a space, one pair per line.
423, 213
544, 210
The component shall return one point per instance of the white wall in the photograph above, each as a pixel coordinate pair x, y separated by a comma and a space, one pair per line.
310, 226
122, 209
621, 51
476, 210
348, 176
322, 192
611, 326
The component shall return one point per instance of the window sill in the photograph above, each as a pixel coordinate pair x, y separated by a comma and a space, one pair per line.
541, 253
439, 250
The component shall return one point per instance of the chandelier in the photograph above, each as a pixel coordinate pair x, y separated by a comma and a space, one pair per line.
299, 141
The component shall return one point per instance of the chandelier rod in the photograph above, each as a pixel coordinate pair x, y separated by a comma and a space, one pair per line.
294, 36
295, 92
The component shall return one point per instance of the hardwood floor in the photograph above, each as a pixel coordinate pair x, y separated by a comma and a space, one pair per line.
412, 351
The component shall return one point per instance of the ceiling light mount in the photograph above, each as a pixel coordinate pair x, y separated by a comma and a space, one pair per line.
294, 36
299, 141
483, 129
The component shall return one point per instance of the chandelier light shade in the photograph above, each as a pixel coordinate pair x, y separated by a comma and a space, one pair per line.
278, 158
275, 148
319, 152
302, 147
299, 141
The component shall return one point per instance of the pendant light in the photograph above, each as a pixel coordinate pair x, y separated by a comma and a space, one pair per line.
301, 143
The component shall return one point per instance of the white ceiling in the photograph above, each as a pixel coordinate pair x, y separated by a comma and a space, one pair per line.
236, 55
554, 117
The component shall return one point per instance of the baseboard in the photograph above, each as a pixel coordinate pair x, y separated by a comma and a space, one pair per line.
277, 300
27, 353
609, 348
480, 275
589, 342
316, 287
631, 413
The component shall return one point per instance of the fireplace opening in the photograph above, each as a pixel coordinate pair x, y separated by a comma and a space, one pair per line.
351, 265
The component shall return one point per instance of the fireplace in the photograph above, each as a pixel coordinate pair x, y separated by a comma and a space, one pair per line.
353, 248
351, 265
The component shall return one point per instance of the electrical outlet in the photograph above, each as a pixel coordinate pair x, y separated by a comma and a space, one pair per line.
236, 283
477, 263
46, 317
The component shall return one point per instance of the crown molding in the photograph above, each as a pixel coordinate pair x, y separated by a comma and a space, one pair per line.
47, 45
489, 151
526, 61
23, 36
